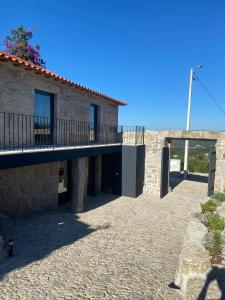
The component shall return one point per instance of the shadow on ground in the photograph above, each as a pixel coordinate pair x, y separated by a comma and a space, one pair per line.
177, 178
93, 202
38, 235
218, 275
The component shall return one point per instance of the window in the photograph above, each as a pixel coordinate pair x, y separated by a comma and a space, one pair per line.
43, 120
93, 117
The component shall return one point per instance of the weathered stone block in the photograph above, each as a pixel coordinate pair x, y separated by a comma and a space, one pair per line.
194, 258
29, 189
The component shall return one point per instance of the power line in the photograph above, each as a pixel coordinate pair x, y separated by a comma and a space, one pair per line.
209, 94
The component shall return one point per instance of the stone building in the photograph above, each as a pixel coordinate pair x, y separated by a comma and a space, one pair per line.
58, 140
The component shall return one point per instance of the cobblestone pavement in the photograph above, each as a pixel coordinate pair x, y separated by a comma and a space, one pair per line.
124, 249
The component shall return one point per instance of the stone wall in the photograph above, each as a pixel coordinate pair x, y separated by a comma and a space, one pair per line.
220, 166
156, 140
25, 190
194, 275
153, 153
29, 189
17, 87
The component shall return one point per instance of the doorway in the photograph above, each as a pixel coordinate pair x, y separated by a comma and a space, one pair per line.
44, 118
93, 119
111, 173
201, 164
64, 182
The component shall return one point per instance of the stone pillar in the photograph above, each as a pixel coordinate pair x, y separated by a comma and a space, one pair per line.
98, 174
79, 178
220, 166
153, 156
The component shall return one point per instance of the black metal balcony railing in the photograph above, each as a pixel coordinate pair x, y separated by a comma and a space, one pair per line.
24, 132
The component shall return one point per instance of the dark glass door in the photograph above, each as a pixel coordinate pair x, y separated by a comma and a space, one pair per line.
116, 174
93, 118
111, 173
43, 119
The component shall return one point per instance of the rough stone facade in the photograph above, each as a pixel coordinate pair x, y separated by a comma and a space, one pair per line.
153, 153
17, 91
17, 88
156, 140
29, 189
34, 188
220, 165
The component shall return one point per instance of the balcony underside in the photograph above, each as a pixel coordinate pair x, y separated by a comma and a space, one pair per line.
17, 158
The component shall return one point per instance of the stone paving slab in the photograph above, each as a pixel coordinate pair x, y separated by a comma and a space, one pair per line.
121, 249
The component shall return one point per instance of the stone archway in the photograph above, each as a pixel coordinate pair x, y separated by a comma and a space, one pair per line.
156, 140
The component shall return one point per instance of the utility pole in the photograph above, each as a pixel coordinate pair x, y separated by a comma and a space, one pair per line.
188, 121
188, 124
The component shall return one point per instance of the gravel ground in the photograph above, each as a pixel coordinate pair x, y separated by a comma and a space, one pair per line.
121, 249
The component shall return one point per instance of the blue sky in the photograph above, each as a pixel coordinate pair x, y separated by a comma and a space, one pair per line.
138, 51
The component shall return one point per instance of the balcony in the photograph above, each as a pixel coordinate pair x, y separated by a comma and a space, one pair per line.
26, 133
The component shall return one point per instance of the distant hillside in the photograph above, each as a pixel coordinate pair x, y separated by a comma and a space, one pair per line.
198, 158
193, 144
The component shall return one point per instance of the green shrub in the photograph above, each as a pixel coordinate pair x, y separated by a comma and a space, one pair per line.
214, 243
209, 206
197, 165
204, 218
215, 222
212, 221
220, 197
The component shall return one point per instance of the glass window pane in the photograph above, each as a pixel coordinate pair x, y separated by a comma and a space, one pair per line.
93, 122
42, 105
43, 118
92, 114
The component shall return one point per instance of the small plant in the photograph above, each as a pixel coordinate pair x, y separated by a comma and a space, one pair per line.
212, 221
215, 222
220, 197
209, 206
204, 218
214, 243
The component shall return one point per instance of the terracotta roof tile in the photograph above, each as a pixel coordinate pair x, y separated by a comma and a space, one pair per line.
29, 65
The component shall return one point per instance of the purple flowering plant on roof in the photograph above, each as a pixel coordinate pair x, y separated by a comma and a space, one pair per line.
17, 44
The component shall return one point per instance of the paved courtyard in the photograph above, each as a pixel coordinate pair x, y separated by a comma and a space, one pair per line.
119, 248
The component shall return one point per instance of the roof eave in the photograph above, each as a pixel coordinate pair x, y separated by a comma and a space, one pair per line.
49, 74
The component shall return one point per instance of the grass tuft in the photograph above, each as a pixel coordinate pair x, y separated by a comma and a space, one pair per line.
220, 197
209, 206
214, 243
